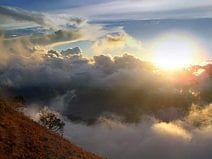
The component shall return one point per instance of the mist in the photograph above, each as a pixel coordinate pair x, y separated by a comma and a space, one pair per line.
186, 138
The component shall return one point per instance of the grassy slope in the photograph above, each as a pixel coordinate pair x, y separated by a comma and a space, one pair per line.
22, 138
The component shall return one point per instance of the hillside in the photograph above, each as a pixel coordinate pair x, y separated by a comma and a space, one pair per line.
22, 138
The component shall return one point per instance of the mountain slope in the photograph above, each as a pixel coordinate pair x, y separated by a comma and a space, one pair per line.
22, 138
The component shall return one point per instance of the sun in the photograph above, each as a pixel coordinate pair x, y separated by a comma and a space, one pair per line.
173, 51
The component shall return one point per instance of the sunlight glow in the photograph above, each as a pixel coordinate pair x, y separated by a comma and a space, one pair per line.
174, 51
172, 129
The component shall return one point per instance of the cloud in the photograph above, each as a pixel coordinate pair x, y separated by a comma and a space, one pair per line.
127, 107
3, 56
110, 42
1, 40
72, 51
33, 46
53, 29
22, 15
37, 44
56, 37
56, 30
145, 9
149, 138
44, 5
116, 42
128, 86
123, 85
185, 138
55, 21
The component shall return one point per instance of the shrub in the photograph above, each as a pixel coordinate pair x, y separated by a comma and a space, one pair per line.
51, 120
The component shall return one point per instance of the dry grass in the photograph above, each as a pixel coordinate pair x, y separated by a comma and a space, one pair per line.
21, 138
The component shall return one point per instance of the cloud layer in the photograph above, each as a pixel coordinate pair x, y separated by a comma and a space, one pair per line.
146, 9
84, 89
186, 138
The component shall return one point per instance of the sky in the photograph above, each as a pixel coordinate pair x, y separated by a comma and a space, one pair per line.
136, 9
134, 75
142, 20
48, 4
107, 7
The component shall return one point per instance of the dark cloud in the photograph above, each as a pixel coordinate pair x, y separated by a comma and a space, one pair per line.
72, 51
122, 85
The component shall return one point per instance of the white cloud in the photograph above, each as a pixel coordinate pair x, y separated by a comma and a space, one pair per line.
146, 9
46, 19
117, 42
149, 138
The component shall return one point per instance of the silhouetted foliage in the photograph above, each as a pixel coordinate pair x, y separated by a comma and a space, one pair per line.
19, 99
51, 120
